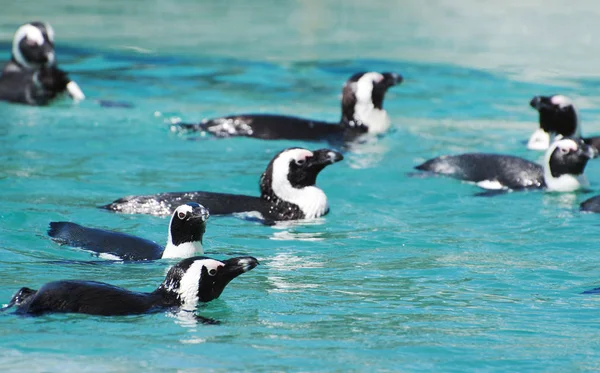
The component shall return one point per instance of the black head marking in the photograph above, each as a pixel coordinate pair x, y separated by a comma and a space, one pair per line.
556, 114
570, 157
212, 283
188, 223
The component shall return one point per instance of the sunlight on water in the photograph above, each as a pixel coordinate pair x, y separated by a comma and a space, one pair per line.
406, 273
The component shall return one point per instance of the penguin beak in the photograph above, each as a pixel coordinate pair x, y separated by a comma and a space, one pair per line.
390, 80
324, 157
200, 212
541, 103
211, 287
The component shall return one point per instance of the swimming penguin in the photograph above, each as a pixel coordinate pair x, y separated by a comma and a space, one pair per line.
362, 112
186, 229
591, 204
189, 282
31, 76
558, 117
562, 171
288, 191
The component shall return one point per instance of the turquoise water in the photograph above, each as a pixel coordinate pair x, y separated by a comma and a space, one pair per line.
405, 273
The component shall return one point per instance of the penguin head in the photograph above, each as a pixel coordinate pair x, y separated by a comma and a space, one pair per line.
186, 230
557, 116
33, 45
290, 178
565, 162
202, 279
296, 168
362, 100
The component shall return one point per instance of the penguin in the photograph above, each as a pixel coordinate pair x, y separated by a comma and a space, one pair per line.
591, 205
557, 117
562, 171
288, 191
362, 112
186, 229
189, 282
31, 76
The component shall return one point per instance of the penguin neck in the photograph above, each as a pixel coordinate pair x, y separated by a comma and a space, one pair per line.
183, 250
292, 203
366, 114
564, 182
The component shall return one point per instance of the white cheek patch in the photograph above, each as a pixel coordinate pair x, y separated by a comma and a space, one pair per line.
364, 86
561, 101
567, 144
29, 32
190, 282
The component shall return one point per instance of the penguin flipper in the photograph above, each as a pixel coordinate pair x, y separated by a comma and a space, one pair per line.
99, 241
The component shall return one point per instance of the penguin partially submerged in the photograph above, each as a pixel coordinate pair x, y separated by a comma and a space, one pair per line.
288, 191
562, 171
591, 205
186, 229
362, 112
187, 284
559, 118
31, 76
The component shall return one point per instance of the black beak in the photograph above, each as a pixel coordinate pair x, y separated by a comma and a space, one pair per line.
541, 102
324, 157
200, 212
211, 287
391, 79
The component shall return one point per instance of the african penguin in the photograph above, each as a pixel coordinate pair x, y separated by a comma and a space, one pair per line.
591, 204
189, 282
186, 229
557, 117
362, 112
31, 76
288, 191
562, 171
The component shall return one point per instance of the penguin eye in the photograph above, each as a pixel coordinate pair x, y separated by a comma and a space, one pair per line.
181, 215
300, 162
212, 272
564, 150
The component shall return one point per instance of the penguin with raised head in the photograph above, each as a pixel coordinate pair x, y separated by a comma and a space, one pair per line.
288, 191
362, 112
557, 117
31, 76
189, 282
562, 170
186, 230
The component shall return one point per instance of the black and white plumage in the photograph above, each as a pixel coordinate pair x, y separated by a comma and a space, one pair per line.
189, 282
31, 76
186, 230
288, 191
362, 112
562, 171
558, 117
